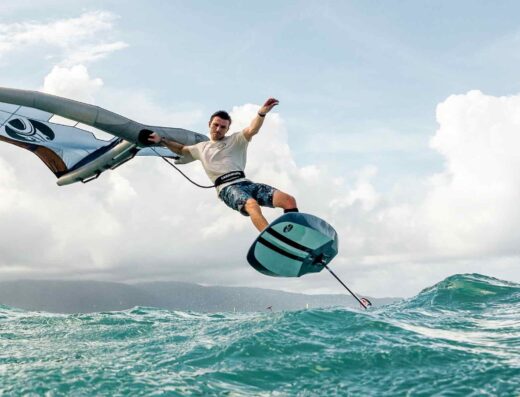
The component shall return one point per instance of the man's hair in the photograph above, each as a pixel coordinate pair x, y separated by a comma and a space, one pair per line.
222, 114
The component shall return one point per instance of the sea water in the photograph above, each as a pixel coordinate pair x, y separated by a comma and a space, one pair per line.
460, 337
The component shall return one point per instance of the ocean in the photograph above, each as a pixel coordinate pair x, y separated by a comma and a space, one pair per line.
460, 337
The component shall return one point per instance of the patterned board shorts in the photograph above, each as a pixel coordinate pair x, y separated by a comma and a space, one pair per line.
236, 195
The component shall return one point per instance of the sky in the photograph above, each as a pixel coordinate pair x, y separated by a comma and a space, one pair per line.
398, 123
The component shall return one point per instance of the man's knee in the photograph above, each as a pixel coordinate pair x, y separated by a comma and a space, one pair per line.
286, 201
291, 202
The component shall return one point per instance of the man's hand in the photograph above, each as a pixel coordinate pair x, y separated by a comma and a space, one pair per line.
154, 138
174, 146
268, 106
257, 122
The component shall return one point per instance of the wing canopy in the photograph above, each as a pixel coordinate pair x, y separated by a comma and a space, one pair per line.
62, 148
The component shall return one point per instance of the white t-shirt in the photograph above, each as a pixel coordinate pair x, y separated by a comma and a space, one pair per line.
220, 157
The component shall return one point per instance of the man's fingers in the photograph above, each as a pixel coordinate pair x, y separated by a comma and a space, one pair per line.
153, 137
271, 102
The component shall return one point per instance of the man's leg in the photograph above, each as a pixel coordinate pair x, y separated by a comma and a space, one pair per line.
285, 201
253, 209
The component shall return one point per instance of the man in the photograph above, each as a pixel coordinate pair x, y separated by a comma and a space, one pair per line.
224, 160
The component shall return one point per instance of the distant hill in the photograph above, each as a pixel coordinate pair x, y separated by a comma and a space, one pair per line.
95, 296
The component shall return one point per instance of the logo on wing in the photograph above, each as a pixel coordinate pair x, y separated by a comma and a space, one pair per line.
27, 130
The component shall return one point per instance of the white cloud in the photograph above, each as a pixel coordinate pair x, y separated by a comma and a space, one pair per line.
60, 33
466, 218
76, 38
122, 190
363, 193
92, 53
74, 83
473, 204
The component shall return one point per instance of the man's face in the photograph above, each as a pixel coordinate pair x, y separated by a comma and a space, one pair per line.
218, 128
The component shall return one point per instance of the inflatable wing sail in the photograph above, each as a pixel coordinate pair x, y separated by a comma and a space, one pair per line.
62, 133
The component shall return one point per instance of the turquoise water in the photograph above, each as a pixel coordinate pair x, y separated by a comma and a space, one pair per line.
460, 337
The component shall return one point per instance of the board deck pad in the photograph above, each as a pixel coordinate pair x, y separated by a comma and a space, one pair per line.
293, 245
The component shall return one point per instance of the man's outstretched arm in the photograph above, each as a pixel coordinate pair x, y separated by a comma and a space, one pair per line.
175, 147
257, 122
